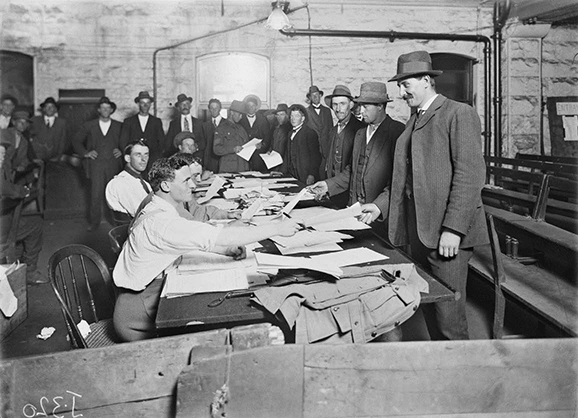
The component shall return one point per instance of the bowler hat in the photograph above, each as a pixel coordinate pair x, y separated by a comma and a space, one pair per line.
314, 89
339, 90
144, 95
238, 106
106, 100
282, 107
373, 92
252, 98
48, 101
414, 63
182, 97
21, 114
181, 136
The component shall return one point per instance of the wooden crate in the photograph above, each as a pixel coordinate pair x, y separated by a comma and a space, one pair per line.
17, 280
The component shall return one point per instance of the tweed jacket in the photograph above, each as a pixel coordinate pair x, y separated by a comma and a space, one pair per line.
47, 142
175, 128
227, 136
353, 125
448, 175
306, 147
89, 137
153, 134
376, 179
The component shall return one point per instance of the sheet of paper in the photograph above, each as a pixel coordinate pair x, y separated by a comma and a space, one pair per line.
249, 148
310, 238
350, 257
224, 204
284, 262
252, 210
271, 159
320, 248
349, 212
8, 302
216, 185
207, 281
350, 224
289, 207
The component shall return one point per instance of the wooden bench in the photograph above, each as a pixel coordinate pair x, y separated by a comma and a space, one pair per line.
547, 158
558, 169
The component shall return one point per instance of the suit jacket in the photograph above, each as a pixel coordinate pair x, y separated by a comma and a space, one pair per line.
260, 129
48, 143
153, 134
210, 159
448, 175
89, 137
306, 147
227, 136
375, 181
321, 124
349, 132
175, 128
279, 143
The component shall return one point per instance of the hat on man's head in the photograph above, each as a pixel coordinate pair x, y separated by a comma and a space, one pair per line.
182, 97
238, 106
339, 90
21, 114
49, 100
252, 98
144, 95
181, 136
9, 97
414, 63
282, 107
106, 100
373, 92
314, 89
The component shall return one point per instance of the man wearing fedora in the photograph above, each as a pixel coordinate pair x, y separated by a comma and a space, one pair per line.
368, 177
230, 136
438, 175
319, 119
281, 133
146, 127
184, 121
210, 160
48, 132
341, 136
98, 142
257, 126
302, 157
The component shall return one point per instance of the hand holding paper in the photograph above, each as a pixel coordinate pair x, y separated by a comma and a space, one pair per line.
249, 148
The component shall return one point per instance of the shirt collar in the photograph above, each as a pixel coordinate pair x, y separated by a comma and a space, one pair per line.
428, 103
346, 121
252, 116
297, 128
218, 119
132, 171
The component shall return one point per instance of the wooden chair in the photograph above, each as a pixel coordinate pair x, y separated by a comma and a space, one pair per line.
82, 284
499, 277
117, 236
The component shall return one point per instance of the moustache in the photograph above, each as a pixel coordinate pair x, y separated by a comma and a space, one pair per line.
407, 96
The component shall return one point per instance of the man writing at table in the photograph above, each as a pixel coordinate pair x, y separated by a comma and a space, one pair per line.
159, 236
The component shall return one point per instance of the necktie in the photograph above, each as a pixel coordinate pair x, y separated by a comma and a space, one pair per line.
215, 122
144, 186
186, 125
340, 127
47, 123
317, 109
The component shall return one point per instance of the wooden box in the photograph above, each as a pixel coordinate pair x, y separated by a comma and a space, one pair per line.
17, 280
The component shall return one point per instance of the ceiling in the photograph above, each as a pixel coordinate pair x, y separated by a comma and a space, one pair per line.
545, 11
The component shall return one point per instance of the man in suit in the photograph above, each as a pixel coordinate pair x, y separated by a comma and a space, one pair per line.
319, 119
98, 142
48, 132
368, 177
438, 175
341, 136
185, 122
281, 133
146, 127
302, 157
210, 160
257, 126
8, 104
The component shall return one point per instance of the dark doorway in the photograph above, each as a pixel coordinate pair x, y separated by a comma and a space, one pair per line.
457, 81
17, 77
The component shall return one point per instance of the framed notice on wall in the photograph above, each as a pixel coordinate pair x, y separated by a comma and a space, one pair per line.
563, 120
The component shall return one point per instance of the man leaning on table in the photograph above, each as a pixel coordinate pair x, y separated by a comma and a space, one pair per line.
159, 236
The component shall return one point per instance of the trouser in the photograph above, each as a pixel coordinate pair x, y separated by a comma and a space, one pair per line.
135, 312
29, 233
100, 175
445, 320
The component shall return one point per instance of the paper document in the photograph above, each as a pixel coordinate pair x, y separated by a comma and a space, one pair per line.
269, 261
216, 185
8, 302
350, 257
319, 248
272, 159
349, 212
289, 207
249, 148
252, 210
197, 261
310, 238
207, 281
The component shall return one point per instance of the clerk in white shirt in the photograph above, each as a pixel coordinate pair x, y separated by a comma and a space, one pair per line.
159, 236
126, 190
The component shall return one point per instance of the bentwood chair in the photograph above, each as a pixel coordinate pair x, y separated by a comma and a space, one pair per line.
82, 284
117, 236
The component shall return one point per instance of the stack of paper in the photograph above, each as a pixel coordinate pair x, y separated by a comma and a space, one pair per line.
207, 281
310, 242
324, 219
350, 257
271, 262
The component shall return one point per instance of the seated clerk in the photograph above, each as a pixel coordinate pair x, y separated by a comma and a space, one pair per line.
125, 192
159, 236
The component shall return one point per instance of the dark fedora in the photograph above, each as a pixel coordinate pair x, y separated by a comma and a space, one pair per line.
373, 92
238, 106
339, 90
144, 95
299, 108
314, 89
414, 63
21, 114
49, 100
181, 136
282, 107
182, 97
106, 100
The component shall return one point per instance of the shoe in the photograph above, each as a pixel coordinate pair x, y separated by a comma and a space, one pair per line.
36, 278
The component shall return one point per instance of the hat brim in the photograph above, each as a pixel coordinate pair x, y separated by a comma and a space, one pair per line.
361, 100
54, 103
252, 97
308, 95
137, 99
401, 76
331, 96
190, 99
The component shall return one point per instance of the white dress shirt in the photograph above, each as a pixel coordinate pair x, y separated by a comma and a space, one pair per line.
143, 121
4, 121
104, 126
124, 193
49, 121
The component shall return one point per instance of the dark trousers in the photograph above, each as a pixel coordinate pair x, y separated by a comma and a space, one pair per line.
100, 174
445, 320
29, 233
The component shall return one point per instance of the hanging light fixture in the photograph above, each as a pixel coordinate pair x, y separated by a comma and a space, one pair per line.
278, 19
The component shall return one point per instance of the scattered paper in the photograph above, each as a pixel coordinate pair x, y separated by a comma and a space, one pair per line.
350, 224
350, 257
319, 248
272, 159
289, 207
337, 215
249, 148
252, 210
216, 185
46, 333
8, 302
84, 328
207, 281
269, 261
310, 238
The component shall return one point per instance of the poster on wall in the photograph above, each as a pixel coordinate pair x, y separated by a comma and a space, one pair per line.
563, 120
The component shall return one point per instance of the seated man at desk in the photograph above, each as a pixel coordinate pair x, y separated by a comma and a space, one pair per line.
159, 236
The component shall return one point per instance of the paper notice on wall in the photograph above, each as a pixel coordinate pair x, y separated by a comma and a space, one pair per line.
8, 302
570, 124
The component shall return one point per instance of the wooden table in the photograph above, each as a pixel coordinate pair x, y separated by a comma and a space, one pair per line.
193, 313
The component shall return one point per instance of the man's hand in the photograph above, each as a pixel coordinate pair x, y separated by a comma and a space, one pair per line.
259, 145
234, 215
369, 213
206, 174
287, 228
319, 189
93, 155
237, 149
449, 244
117, 153
310, 180
238, 253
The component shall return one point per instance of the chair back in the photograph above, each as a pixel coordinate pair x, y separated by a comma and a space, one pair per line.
83, 286
117, 236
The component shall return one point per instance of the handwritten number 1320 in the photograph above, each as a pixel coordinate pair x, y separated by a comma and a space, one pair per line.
30, 410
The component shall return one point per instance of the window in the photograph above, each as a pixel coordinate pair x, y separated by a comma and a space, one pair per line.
456, 82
